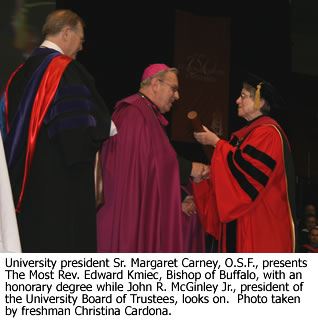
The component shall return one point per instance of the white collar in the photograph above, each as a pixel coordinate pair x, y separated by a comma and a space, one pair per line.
51, 45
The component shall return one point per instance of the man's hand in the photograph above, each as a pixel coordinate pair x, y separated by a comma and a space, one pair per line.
199, 172
188, 206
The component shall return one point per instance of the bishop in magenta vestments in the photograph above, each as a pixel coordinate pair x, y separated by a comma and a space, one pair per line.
142, 209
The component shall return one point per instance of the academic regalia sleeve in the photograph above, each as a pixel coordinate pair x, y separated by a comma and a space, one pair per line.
239, 175
78, 119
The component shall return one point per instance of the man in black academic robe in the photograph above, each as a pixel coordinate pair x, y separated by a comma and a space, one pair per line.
53, 136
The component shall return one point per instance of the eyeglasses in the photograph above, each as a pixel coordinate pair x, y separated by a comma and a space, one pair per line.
173, 88
243, 96
81, 38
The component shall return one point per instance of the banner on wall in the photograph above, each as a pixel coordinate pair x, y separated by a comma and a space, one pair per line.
202, 56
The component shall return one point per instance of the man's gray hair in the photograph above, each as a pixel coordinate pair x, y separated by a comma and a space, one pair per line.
58, 19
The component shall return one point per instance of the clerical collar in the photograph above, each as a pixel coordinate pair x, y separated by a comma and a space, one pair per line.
155, 109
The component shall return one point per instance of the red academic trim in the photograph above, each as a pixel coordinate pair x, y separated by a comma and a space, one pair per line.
6, 97
42, 101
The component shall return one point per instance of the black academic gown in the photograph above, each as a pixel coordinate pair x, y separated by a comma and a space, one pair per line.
58, 206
